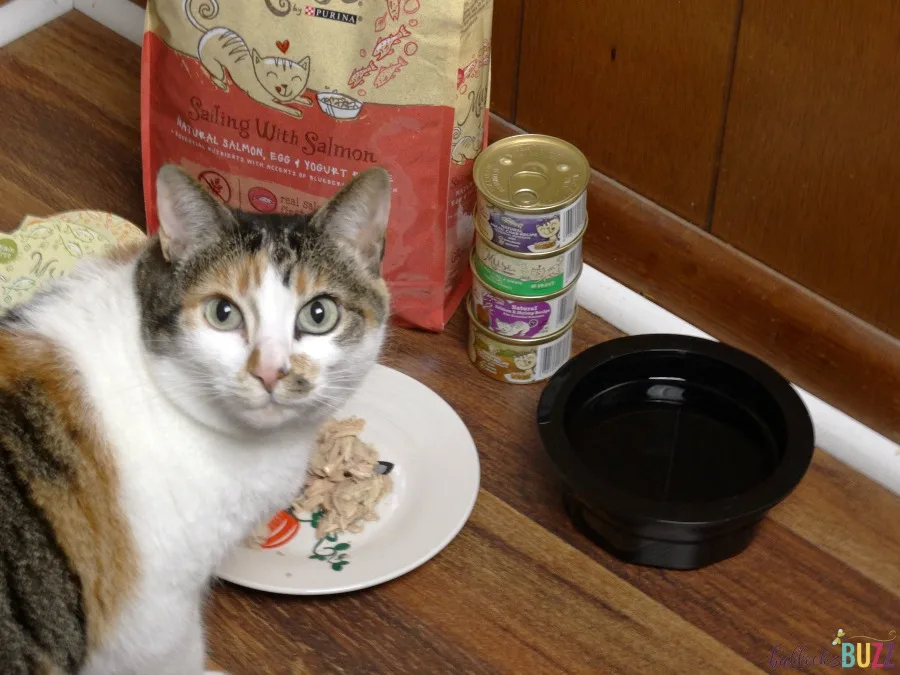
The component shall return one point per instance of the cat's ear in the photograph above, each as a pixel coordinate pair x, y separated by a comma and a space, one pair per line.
304, 63
190, 219
256, 57
357, 216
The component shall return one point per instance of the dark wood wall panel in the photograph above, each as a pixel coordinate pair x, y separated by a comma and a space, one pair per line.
811, 164
505, 57
640, 87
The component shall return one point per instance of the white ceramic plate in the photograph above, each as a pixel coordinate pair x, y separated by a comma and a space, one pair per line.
436, 476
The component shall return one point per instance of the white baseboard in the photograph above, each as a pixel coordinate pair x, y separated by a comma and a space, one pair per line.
855, 444
120, 16
838, 434
19, 17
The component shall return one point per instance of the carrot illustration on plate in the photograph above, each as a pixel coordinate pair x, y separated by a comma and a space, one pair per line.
282, 528
385, 46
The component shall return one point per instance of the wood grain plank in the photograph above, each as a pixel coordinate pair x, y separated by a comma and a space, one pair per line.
735, 601
364, 632
16, 202
809, 167
80, 135
846, 515
567, 600
507, 594
505, 40
638, 86
105, 60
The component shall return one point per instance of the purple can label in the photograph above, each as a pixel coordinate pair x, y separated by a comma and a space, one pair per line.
521, 318
539, 233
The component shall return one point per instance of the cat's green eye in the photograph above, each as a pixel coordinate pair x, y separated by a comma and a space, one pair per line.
318, 316
223, 315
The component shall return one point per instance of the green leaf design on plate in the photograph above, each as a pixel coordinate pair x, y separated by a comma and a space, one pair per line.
328, 551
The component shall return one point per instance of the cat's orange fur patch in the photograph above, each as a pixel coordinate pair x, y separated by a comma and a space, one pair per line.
238, 281
249, 272
84, 509
301, 283
370, 317
305, 367
253, 361
318, 284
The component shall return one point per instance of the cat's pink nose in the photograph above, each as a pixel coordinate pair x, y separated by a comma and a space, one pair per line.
278, 88
269, 376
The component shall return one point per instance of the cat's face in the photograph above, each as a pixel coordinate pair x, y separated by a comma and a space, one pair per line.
284, 79
258, 321
526, 361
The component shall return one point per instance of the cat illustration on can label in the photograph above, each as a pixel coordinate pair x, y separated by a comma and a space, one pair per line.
273, 81
526, 364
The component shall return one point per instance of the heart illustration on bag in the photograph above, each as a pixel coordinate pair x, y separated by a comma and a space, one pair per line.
283, 45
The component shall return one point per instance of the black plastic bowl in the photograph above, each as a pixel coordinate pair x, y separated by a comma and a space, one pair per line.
673, 448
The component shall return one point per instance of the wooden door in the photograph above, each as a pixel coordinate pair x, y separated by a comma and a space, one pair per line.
810, 176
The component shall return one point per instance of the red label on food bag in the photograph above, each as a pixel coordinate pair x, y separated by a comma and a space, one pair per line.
256, 134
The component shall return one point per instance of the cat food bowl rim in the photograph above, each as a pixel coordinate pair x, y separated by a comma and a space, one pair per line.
603, 497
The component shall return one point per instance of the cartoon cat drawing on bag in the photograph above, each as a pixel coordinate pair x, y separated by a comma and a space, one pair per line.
273, 81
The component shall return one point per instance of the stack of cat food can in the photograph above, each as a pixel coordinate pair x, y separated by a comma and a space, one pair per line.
529, 222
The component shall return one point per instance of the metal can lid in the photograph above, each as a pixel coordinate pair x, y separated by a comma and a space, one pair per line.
531, 173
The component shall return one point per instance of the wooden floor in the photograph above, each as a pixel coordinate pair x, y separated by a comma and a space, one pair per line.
519, 591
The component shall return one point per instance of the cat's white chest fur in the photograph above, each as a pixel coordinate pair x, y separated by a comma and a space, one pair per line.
188, 492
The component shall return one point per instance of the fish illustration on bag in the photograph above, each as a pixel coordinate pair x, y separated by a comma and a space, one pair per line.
389, 72
394, 9
385, 46
359, 75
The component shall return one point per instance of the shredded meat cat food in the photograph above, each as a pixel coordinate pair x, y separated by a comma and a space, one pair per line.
273, 105
343, 479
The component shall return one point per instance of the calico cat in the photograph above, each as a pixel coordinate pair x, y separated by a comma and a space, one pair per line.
271, 80
157, 404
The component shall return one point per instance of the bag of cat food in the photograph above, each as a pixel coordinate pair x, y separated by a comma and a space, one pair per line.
274, 104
